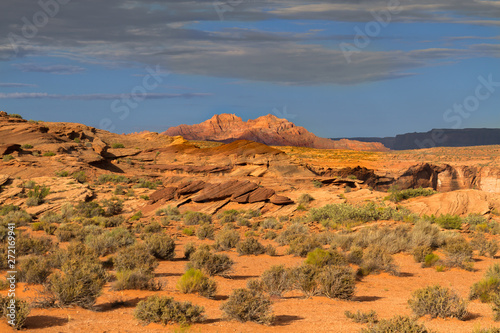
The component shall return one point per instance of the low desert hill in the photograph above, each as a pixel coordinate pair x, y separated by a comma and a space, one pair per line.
269, 130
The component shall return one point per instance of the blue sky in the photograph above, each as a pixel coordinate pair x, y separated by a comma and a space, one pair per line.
91, 62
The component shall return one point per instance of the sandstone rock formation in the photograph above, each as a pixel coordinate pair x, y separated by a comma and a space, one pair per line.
269, 130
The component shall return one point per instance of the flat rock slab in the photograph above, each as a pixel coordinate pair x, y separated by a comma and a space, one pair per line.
260, 194
167, 194
223, 191
280, 200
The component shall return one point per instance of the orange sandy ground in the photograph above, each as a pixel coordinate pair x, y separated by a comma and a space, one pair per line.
385, 294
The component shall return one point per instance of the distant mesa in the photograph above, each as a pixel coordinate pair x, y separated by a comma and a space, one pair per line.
439, 138
268, 130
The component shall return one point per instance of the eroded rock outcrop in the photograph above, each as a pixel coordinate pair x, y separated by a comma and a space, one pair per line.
269, 130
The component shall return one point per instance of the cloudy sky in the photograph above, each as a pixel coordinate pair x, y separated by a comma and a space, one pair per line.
340, 68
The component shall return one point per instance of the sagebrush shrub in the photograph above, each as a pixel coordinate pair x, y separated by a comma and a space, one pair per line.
136, 279
337, 282
320, 257
195, 218
397, 324
162, 246
194, 281
19, 307
110, 241
34, 270
135, 257
276, 280
302, 245
205, 231
377, 259
362, 317
210, 263
488, 286
458, 253
82, 278
448, 221
226, 239
246, 305
162, 309
438, 301
250, 246
305, 279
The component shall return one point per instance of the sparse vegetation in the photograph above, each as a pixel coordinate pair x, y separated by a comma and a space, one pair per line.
162, 309
397, 195
246, 305
194, 281
438, 301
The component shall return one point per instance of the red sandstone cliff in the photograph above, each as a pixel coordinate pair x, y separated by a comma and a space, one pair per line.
269, 130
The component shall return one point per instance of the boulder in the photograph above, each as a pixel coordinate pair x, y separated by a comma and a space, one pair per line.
280, 200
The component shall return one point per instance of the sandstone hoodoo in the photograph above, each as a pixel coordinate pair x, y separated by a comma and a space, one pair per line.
269, 130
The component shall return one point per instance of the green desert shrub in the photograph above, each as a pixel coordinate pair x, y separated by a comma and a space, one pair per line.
291, 232
165, 310
245, 305
495, 306
276, 280
210, 263
189, 249
448, 221
377, 259
153, 227
195, 218
226, 239
305, 279
170, 211
302, 245
483, 245
271, 223
135, 257
228, 216
117, 145
36, 196
110, 241
488, 286
250, 246
112, 178
79, 176
304, 199
355, 255
194, 281
33, 270
15, 310
88, 209
360, 317
205, 231
420, 252
397, 324
33, 245
67, 231
136, 279
162, 246
458, 253
81, 279
400, 195
337, 282
320, 258
113, 206
438, 301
